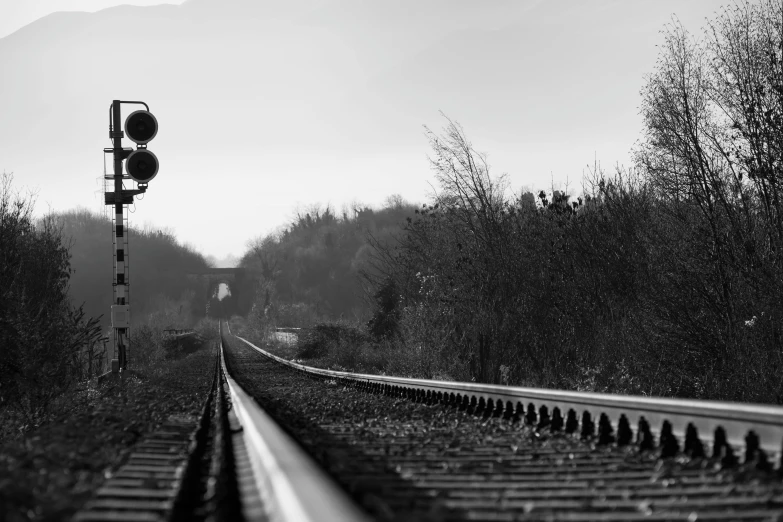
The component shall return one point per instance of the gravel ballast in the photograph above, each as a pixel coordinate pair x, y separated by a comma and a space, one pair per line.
48, 473
402, 460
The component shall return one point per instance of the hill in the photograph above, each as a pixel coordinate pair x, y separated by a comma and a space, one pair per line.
314, 268
157, 267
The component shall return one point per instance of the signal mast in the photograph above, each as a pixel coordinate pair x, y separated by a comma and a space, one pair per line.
141, 166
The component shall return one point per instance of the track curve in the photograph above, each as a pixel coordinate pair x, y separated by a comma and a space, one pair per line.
406, 454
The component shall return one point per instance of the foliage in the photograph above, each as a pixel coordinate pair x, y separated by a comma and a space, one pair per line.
713, 154
151, 347
50, 265
41, 334
385, 321
322, 338
310, 270
207, 329
664, 280
158, 268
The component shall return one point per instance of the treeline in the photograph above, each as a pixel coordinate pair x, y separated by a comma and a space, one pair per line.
56, 293
310, 270
42, 334
662, 280
158, 269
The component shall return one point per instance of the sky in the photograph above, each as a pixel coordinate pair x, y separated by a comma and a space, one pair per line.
18, 13
267, 107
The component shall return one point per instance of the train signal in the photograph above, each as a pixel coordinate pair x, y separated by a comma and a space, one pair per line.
141, 127
142, 165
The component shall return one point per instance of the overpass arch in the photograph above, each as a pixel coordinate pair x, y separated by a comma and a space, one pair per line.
235, 278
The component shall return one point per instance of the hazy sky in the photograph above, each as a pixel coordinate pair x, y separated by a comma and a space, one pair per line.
267, 105
15, 14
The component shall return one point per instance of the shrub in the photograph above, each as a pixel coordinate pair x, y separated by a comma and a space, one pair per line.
42, 335
385, 320
324, 338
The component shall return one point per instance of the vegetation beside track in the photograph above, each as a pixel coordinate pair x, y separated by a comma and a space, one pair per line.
51, 337
405, 459
664, 279
46, 473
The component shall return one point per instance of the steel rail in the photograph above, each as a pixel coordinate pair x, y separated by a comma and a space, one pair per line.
736, 419
291, 485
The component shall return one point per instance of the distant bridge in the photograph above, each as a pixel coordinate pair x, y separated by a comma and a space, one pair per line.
234, 278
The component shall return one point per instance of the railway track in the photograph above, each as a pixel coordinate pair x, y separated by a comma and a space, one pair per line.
231, 463
326, 445
182, 471
408, 449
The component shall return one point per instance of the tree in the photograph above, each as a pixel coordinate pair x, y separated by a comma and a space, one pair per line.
41, 333
712, 149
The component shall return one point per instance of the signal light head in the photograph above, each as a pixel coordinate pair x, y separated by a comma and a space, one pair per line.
141, 127
142, 165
